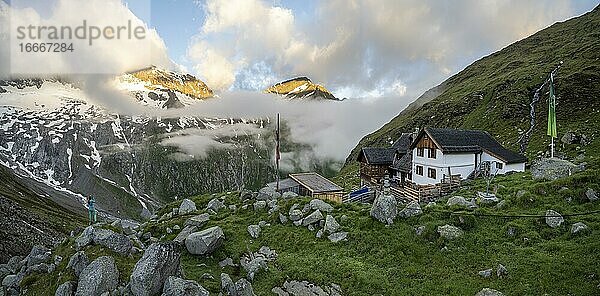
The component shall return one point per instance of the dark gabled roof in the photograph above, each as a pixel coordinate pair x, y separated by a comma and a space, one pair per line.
404, 164
315, 182
377, 155
402, 145
457, 140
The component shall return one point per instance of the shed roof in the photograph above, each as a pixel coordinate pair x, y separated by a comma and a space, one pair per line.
315, 182
458, 140
284, 184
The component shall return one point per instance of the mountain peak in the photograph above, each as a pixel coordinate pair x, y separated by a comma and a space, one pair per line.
184, 83
301, 87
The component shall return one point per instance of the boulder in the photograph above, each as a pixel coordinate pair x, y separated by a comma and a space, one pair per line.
298, 288
205, 241
488, 292
183, 234
411, 210
98, 277
160, 260
487, 198
288, 195
40, 268
591, 194
78, 262
114, 241
227, 285
577, 227
187, 206
282, 218
226, 262
39, 254
175, 286
246, 194
461, 201
449, 231
260, 205
501, 271
65, 289
215, 204
485, 273
198, 220
85, 238
243, 288
384, 208
331, 225
13, 280
253, 266
15, 263
318, 204
570, 138
552, 169
254, 230
296, 215
314, 217
419, 230
338, 236
553, 218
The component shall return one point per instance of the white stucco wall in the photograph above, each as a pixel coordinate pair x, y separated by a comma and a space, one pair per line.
460, 163
513, 167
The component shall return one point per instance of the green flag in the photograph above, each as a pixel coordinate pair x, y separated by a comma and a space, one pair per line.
552, 110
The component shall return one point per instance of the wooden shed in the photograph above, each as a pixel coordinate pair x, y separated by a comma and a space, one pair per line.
315, 185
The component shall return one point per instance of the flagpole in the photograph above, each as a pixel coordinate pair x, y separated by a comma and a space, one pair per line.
277, 156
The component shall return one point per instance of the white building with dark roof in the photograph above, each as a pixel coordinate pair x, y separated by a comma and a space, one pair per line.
442, 154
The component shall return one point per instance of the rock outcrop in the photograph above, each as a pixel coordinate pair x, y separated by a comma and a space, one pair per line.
553, 168
175, 286
205, 241
384, 208
114, 241
98, 277
160, 260
449, 231
553, 218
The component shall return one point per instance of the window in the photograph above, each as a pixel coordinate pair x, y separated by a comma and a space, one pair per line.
419, 170
420, 152
499, 165
431, 173
432, 152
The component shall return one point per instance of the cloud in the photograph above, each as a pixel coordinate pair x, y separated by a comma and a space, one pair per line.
104, 56
92, 68
331, 129
362, 48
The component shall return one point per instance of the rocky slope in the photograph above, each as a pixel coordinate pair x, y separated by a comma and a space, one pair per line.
262, 243
301, 88
498, 93
29, 215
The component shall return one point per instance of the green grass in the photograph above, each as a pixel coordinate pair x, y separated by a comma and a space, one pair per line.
380, 260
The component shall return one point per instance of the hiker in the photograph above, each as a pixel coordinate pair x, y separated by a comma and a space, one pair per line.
91, 210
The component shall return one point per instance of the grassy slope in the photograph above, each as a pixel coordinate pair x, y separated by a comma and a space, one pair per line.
494, 93
395, 261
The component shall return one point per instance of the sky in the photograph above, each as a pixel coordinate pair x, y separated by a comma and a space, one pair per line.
354, 48
380, 54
